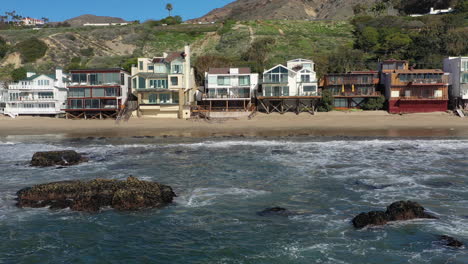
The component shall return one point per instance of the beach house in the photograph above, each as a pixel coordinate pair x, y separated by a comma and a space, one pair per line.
228, 90
352, 89
164, 85
411, 90
37, 94
97, 93
458, 69
289, 88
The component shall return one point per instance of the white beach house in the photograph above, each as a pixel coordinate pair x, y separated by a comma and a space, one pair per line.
229, 89
38, 94
298, 78
458, 69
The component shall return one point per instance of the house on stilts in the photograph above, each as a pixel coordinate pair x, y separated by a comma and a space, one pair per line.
458, 69
352, 89
290, 88
97, 93
228, 92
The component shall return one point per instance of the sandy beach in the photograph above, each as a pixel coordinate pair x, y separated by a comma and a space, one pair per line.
353, 124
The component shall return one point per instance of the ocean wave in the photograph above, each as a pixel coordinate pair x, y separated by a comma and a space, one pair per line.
200, 197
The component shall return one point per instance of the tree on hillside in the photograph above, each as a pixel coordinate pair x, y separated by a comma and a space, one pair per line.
169, 8
18, 74
462, 6
205, 62
359, 9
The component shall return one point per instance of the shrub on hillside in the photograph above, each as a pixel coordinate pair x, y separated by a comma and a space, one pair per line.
18, 74
3, 48
31, 49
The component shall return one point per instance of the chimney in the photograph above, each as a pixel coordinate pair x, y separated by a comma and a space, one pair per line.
29, 74
59, 77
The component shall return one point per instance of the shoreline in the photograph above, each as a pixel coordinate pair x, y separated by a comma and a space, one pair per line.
332, 124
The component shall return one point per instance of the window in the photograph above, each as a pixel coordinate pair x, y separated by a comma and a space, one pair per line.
277, 75
150, 67
364, 79
76, 104
465, 65
79, 78
164, 98
174, 81
177, 68
464, 78
175, 98
140, 65
134, 83
340, 102
98, 92
92, 104
76, 92
93, 79
160, 68
153, 98
305, 78
141, 83
43, 95
87, 92
307, 66
212, 79
158, 84
311, 88
43, 82
244, 80
224, 80
110, 92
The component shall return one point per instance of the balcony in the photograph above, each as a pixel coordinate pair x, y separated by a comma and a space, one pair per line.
233, 93
356, 94
30, 87
28, 99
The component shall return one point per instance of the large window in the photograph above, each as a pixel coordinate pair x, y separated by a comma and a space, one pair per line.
76, 92
164, 98
92, 104
244, 80
224, 80
79, 78
158, 84
43, 82
87, 92
153, 98
140, 65
212, 79
276, 91
150, 67
141, 83
44, 95
160, 68
340, 102
464, 78
98, 92
110, 92
310, 88
177, 68
465, 65
277, 75
76, 104
174, 81
305, 78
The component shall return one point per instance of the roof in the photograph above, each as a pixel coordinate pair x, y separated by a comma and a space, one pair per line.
393, 60
158, 60
244, 70
353, 73
175, 55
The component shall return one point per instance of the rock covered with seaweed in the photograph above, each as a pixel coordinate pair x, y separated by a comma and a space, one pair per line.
91, 196
397, 211
57, 158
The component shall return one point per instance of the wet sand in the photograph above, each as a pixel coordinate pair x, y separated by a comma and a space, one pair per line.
333, 124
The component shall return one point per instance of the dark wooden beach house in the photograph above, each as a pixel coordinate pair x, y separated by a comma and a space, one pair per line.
97, 93
352, 89
411, 90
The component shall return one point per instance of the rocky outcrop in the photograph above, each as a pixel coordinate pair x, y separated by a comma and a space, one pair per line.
451, 242
402, 210
275, 211
57, 158
91, 196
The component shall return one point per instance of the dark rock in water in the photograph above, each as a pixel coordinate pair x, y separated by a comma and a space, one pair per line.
275, 211
451, 242
54, 158
391, 149
397, 211
281, 152
178, 152
90, 196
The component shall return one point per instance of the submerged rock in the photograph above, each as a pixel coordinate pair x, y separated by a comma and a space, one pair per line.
397, 211
91, 196
57, 158
275, 211
451, 242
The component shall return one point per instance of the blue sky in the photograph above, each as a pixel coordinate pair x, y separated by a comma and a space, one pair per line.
59, 10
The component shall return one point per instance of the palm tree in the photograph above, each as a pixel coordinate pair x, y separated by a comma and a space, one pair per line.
45, 19
169, 8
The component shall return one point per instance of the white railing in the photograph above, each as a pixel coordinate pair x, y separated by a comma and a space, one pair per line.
31, 111
29, 87
27, 99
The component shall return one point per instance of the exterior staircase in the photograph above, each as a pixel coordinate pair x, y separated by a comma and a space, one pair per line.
126, 112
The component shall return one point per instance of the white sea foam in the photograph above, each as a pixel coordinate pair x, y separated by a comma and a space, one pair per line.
206, 196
